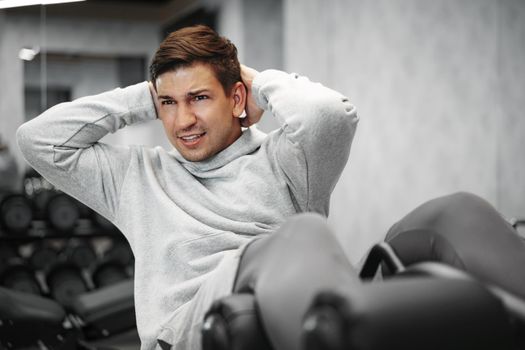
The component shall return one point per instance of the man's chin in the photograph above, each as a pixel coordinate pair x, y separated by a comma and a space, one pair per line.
194, 155
194, 159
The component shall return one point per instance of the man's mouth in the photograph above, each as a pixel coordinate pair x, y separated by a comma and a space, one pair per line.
191, 139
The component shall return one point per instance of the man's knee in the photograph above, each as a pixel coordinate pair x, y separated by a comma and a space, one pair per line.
461, 203
449, 208
465, 198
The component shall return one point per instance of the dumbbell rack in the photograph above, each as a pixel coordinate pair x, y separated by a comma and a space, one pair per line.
40, 234
54, 247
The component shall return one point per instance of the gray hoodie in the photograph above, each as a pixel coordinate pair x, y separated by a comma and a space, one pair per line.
188, 221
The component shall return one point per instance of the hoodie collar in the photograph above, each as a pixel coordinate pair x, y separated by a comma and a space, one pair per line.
249, 141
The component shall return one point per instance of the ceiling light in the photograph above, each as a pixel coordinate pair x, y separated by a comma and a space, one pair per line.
4, 4
27, 54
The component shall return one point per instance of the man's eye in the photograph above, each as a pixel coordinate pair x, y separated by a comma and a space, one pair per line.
167, 102
200, 97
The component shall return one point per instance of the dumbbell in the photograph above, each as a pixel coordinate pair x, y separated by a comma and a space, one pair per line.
108, 272
80, 253
114, 265
65, 282
66, 277
58, 209
43, 256
18, 275
16, 213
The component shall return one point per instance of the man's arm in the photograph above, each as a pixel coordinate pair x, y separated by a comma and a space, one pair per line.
318, 126
62, 144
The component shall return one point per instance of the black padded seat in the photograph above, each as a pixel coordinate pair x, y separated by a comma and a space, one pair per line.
26, 318
108, 310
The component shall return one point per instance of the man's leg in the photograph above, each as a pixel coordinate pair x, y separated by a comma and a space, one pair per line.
287, 269
464, 231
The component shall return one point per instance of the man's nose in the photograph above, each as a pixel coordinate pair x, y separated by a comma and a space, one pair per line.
186, 118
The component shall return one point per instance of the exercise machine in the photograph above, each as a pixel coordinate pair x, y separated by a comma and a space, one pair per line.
411, 296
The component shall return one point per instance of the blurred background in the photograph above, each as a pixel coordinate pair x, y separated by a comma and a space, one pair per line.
439, 85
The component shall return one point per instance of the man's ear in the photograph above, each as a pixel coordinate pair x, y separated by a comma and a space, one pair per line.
238, 98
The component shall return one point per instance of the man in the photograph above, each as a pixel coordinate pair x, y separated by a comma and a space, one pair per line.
188, 213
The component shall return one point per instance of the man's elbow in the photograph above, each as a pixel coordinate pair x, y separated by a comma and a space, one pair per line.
22, 138
339, 112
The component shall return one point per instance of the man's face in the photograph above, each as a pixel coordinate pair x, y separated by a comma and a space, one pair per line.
198, 117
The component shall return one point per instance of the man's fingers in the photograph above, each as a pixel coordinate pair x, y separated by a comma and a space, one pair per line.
252, 110
247, 75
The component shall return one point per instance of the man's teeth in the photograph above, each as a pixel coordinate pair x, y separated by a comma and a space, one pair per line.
190, 138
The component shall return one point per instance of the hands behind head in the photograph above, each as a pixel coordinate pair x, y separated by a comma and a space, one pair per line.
253, 112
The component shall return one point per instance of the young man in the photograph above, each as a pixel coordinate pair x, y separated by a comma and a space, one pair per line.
189, 212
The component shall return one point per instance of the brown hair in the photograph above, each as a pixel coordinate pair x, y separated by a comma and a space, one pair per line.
198, 44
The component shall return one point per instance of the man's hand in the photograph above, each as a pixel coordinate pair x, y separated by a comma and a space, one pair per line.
154, 97
253, 112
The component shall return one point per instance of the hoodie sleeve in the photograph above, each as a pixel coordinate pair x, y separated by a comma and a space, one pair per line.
62, 144
317, 129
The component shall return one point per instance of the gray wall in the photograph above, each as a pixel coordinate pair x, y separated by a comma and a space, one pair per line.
256, 29
439, 87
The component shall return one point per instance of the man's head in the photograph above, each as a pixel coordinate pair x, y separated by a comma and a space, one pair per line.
196, 74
